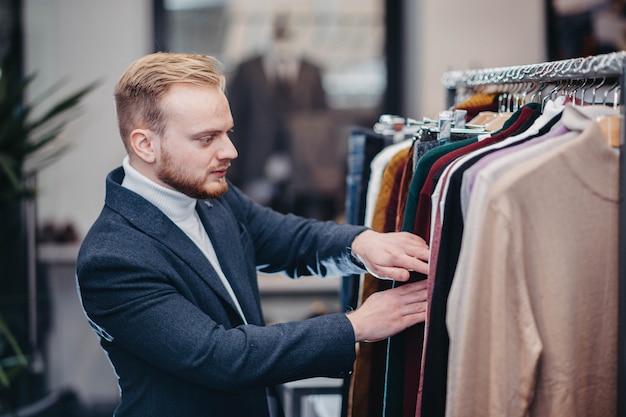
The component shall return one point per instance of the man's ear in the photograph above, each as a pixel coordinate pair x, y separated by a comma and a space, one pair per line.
144, 144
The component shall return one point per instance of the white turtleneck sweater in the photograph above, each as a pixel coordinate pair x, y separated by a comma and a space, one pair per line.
181, 209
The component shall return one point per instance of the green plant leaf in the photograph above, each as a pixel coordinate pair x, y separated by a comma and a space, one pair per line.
6, 372
27, 141
62, 107
8, 164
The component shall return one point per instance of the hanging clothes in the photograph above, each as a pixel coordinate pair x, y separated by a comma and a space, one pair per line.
522, 228
532, 316
451, 230
363, 145
405, 349
449, 233
366, 390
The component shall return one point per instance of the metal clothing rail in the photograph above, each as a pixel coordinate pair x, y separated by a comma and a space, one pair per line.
612, 65
597, 66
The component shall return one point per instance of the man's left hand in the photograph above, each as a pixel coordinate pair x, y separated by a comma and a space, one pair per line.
391, 255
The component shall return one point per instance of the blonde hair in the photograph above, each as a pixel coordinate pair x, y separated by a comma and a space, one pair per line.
139, 90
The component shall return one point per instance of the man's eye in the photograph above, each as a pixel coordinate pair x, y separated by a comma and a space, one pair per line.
207, 139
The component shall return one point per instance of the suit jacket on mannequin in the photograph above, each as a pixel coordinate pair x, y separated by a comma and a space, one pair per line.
170, 328
261, 114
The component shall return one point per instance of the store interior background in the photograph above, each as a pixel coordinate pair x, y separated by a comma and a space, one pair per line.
79, 42
405, 47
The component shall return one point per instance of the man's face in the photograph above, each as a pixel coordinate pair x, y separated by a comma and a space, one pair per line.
195, 148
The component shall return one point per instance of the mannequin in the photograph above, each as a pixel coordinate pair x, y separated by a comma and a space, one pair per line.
267, 92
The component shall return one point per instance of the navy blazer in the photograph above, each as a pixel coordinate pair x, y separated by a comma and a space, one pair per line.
170, 329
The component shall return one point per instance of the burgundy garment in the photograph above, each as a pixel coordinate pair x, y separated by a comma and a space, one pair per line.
422, 217
526, 117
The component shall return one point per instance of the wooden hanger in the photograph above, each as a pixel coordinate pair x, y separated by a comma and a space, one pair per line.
611, 127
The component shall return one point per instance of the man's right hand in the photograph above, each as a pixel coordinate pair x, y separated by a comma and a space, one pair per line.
388, 312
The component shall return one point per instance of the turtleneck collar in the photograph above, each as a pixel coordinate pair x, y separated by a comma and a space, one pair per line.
176, 205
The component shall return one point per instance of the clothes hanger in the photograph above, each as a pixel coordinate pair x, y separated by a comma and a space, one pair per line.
517, 101
493, 121
482, 118
583, 91
611, 125
530, 87
615, 90
548, 96
595, 90
611, 128
537, 94
570, 96
503, 100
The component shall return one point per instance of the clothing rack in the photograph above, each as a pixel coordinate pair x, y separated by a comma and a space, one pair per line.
612, 65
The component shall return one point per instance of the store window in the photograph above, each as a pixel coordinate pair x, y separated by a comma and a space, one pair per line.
585, 27
301, 74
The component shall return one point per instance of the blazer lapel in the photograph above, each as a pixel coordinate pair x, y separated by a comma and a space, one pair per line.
173, 237
154, 223
224, 233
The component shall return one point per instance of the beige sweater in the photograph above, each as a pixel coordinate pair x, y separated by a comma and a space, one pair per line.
533, 317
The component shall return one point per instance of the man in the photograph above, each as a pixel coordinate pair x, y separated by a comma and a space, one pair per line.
168, 273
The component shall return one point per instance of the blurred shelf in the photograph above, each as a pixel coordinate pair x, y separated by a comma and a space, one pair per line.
58, 253
279, 284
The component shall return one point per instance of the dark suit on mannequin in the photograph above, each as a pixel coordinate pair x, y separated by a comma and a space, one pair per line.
168, 324
262, 102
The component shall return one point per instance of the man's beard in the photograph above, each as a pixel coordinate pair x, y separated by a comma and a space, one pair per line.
187, 184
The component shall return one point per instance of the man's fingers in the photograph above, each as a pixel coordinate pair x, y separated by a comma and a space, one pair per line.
402, 273
417, 265
416, 290
388, 312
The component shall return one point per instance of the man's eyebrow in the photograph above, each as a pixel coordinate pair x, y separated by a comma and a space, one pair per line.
211, 131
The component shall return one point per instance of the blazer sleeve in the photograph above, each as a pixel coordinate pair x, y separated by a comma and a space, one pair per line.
293, 245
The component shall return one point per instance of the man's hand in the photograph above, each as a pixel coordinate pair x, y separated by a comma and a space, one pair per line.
388, 312
391, 255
